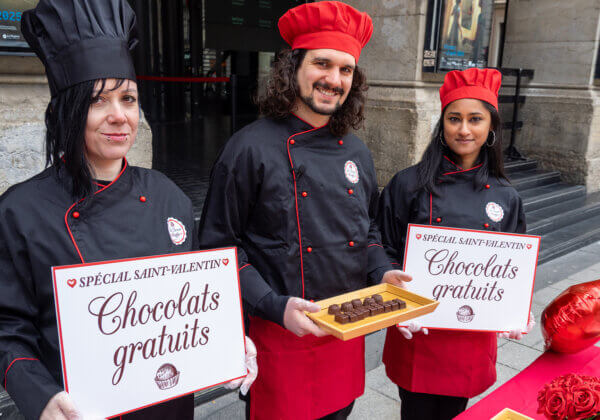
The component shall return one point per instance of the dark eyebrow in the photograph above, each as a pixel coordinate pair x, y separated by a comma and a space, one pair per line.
128, 90
472, 113
327, 60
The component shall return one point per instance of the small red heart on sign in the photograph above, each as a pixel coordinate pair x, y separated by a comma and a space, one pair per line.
528, 246
225, 261
71, 282
419, 236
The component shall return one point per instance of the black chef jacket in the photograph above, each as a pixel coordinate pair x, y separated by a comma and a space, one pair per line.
299, 203
459, 204
41, 227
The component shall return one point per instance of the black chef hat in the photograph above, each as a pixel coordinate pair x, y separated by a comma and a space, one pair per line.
81, 40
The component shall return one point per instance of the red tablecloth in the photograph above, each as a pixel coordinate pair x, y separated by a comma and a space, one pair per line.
520, 393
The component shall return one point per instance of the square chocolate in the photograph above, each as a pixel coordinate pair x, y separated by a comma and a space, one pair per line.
368, 301
401, 303
347, 306
334, 309
378, 299
356, 303
353, 316
395, 305
387, 307
342, 318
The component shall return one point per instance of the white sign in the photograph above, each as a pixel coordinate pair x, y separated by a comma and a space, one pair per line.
483, 280
141, 331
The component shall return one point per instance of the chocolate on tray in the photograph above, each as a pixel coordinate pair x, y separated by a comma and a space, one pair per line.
401, 303
368, 301
342, 318
347, 306
356, 310
334, 309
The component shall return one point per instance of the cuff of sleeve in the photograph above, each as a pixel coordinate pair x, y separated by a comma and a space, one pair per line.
31, 386
272, 307
376, 275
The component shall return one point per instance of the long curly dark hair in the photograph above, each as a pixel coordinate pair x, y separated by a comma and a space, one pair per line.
279, 98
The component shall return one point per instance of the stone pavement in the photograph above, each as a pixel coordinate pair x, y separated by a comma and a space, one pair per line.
381, 401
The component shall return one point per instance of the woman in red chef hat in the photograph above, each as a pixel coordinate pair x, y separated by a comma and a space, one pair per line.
459, 182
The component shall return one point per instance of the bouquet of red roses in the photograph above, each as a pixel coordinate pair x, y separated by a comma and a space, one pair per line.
572, 397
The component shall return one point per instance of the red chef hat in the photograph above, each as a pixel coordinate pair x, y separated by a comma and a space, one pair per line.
475, 83
326, 24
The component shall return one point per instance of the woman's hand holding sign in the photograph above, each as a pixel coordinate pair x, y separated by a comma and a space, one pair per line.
60, 407
518, 333
398, 278
247, 381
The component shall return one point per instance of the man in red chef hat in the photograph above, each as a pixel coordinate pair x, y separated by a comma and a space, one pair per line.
296, 193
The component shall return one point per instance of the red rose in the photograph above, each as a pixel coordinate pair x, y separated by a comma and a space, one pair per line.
557, 402
585, 402
570, 380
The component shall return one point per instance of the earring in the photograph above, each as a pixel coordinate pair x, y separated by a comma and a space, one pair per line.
441, 137
493, 141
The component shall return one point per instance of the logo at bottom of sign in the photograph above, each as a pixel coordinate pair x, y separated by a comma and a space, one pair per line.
167, 376
465, 314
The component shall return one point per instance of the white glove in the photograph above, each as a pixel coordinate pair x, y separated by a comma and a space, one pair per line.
60, 407
245, 383
296, 321
518, 333
412, 327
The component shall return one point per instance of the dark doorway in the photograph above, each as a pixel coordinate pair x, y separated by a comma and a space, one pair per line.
199, 64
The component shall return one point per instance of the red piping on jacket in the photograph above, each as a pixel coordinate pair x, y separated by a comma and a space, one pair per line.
430, 206
11, 363
74, 204
296, 196
244, 266
448, 173
450, 160
375, 245
463, 170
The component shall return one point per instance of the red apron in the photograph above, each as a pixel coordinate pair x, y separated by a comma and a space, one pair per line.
454, 363
303, 378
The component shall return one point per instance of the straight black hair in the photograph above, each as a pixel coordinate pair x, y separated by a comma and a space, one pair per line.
490, 157
66, 119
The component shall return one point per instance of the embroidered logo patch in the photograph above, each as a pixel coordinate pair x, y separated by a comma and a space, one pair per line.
494, 211
351, 172
177, 231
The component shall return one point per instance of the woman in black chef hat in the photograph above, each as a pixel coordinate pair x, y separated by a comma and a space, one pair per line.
88, 205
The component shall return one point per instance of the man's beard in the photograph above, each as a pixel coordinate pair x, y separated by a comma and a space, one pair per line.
310, 101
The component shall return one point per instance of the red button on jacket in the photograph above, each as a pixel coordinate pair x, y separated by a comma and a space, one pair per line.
76, 214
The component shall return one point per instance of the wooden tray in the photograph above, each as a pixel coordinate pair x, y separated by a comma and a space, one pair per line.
416, 305
508, 414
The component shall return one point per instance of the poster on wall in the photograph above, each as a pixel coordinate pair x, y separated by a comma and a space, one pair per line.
465, 34
11, 12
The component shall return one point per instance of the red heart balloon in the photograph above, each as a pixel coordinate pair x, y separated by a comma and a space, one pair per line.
571, 322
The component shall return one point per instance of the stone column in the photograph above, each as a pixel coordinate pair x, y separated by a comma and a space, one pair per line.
402, 108
24, 96
561, 117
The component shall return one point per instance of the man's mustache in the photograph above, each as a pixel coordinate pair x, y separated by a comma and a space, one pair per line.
322, 85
